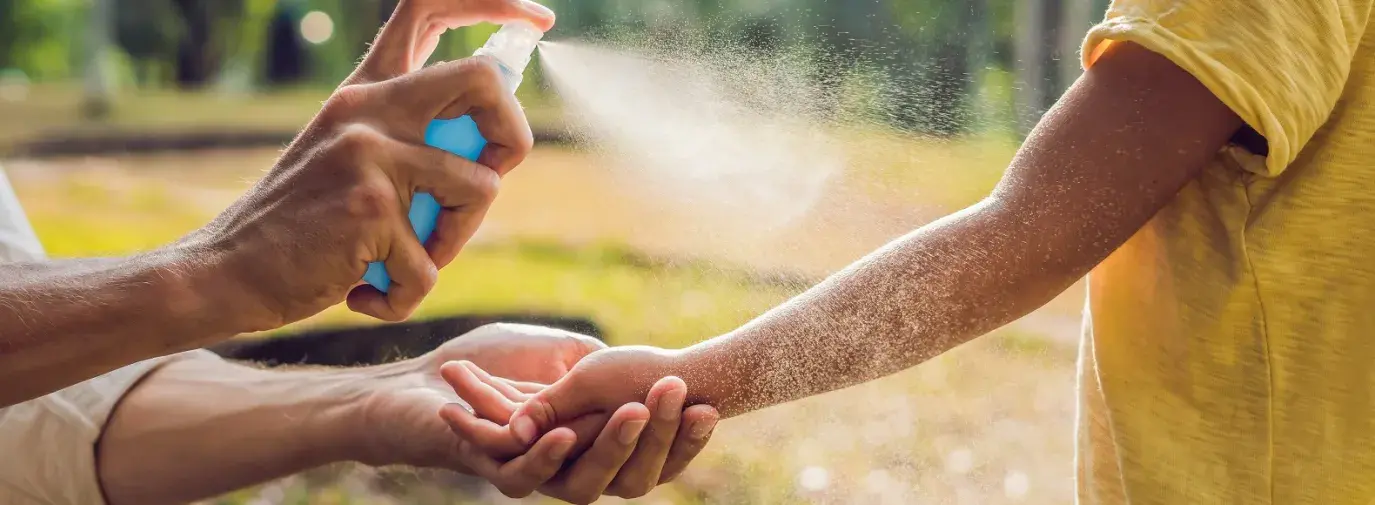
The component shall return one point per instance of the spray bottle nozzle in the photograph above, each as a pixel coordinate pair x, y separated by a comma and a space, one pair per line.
512, 47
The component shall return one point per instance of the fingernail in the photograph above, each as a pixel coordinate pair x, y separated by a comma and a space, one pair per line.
671, 404
539, 9
524, 428
464, 406
631, 431
702, 428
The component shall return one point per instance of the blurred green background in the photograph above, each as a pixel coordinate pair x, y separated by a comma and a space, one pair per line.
101, 100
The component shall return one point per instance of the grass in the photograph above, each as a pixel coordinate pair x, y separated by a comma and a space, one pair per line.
987, 423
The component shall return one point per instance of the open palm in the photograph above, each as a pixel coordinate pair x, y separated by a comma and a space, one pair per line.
402, 415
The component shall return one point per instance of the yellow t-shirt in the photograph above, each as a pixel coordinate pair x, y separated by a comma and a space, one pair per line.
1229, 347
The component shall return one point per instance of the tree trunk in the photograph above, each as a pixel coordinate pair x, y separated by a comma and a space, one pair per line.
96, 100
1076, 19
1038, 77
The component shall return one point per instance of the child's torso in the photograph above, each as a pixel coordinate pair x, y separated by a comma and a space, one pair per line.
1229, 352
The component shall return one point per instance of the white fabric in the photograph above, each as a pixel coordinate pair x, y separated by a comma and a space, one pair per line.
47, 445
17, 240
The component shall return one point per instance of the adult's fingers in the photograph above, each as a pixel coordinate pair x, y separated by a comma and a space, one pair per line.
487, 402
481, 435
520, 476
528, 388
463, 189
587, 478
640, 474
499, 384
699, 422
411, 35
413, 275
475, 87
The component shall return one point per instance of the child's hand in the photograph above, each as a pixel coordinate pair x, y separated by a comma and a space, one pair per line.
599, 384
618, 463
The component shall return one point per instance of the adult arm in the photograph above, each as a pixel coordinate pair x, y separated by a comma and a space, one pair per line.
65, 321
199, 427
299, 240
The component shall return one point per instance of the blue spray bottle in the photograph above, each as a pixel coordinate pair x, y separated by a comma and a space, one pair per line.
512, 47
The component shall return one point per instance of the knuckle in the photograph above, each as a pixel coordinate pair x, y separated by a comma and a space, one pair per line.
346, 98
371, 199
484, 72
481, 184
587, 343
357, 139
522, 144
486, 184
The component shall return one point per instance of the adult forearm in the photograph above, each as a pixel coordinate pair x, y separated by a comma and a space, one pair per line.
200, 427
62, 322
919, 296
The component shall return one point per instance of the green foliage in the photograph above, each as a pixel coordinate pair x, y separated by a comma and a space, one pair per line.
38, 37
149, 31
928, 56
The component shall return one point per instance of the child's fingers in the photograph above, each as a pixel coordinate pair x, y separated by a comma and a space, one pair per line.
487, 402
485, 436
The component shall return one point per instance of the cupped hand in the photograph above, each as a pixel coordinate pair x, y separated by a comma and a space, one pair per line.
674, 436
399, 424
600, 383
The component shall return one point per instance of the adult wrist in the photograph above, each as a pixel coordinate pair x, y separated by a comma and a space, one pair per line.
366, 437
179, 284
336, 415
214, 291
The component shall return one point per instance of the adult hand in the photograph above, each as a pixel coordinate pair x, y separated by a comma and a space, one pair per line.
300, 239
625, 454
399, 418
411, 35
675, 436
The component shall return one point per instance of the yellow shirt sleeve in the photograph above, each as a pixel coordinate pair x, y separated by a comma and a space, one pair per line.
1279, 64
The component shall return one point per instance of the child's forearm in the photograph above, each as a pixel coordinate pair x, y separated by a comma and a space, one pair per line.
912, 300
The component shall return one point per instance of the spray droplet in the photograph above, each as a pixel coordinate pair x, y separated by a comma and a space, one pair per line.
814, 478
1016, 484
959, 461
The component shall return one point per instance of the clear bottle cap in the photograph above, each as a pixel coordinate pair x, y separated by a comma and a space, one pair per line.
512, 46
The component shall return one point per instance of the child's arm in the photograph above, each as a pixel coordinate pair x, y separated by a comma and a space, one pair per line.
1116, 149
